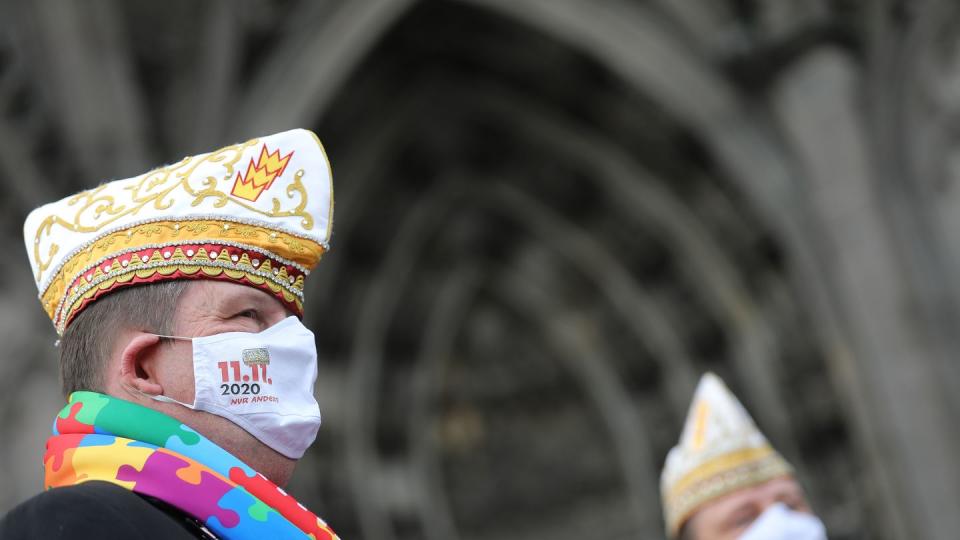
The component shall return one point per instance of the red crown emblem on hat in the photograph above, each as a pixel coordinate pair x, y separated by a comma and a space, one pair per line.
260, 174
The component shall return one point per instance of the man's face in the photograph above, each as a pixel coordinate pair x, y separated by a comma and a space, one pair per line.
205, 308
727, 517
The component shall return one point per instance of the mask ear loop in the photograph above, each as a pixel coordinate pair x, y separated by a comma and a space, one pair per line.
181, 338
161, 397
165, 399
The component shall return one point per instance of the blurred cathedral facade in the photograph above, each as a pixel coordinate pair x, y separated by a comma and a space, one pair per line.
552, 216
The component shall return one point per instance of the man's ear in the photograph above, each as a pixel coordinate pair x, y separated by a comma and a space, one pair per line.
136, 371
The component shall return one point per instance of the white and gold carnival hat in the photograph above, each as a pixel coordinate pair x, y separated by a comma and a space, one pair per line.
258, 213
720, 451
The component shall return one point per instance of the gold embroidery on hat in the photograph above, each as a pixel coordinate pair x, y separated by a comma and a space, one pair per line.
699, 432
298, 252
109, 280
95, 210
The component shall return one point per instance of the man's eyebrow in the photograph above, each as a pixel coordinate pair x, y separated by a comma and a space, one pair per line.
789, 493
264, 304
240, 300
740, 510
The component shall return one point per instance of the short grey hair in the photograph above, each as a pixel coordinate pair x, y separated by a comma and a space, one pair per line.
88, 340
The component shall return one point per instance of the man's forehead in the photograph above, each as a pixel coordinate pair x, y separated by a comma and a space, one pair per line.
777, 487
212, 296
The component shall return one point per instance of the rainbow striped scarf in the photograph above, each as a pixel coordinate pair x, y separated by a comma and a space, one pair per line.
99, 437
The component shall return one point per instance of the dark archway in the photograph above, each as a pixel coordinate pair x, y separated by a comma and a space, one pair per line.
529, 240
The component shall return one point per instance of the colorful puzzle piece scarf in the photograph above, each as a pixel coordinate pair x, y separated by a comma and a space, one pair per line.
98, 437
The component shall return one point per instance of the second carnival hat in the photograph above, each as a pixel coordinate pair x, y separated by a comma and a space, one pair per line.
720, 451
258, 213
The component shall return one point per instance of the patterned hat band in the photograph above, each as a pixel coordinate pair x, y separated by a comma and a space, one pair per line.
190, 249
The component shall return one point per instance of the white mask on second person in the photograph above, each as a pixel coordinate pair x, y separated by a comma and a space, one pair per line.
262, 382
778, 522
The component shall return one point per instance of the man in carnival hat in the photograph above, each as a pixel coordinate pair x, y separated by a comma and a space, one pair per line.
724, 481
189, 377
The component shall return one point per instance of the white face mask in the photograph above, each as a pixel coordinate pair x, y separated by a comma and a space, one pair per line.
780, 523
262, 382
